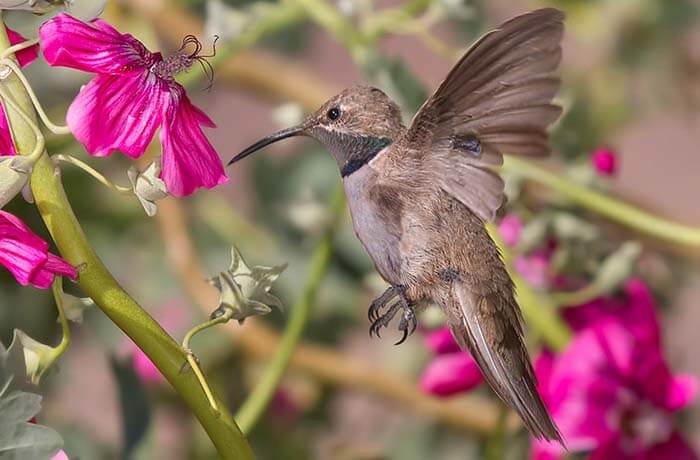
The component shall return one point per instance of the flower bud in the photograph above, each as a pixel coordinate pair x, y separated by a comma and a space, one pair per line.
246, 291
37, 356
14, 173
148, 186
604, 161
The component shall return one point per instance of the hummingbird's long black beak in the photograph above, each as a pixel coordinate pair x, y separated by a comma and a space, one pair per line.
278, 136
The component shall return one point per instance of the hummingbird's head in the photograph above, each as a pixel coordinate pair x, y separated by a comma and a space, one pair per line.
353, 125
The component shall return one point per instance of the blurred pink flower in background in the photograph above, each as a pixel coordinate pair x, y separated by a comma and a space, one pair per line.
452, 370
635, 307
534, 268
510, 228
24, 57
133, 94
174, 318
27, 256
604, 161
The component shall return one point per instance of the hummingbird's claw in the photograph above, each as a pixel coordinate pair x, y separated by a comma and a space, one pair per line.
385, 319
403, 339
408, 323
373, 313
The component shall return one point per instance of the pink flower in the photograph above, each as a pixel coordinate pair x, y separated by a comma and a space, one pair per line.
24, 57
510, 229
534, 268
134, 94
636, 308
27, 256
613, 394
604, 161
61, 455
173, 318
145, 369
453, 370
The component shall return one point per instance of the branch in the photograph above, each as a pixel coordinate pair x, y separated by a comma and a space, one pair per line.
97, 282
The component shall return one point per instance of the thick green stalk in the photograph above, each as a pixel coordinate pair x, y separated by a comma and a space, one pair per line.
98, 283
257, 401
615, 210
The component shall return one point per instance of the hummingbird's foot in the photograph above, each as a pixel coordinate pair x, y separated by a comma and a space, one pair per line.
385, 319
380, 302
408, 322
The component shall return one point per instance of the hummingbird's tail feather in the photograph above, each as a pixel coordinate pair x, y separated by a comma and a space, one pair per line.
490, 327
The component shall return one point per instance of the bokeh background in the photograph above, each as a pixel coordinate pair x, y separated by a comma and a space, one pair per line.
630, 75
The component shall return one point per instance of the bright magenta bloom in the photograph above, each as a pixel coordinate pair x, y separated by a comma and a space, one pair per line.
27, 256
133, 94
604, 161
611, 391
24, 57
452, 370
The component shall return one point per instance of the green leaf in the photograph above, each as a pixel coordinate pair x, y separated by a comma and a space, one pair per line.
20, 439
135, 406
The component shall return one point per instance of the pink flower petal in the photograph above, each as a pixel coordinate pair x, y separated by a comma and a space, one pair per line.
675, 448
54, 265
681, 392
441, 341
117, 113
27, 55
26, 255
145, 369
534, 269
189, 160
510, 228
61, 455
24, 57
7, 145
92, 47
604, 161
450, 374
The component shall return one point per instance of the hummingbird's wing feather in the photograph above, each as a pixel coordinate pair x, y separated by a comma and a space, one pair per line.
490, 327
497, 99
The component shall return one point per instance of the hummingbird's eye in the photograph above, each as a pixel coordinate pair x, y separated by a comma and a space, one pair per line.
333, 113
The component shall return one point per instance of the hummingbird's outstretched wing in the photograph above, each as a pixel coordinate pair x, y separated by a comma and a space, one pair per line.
497, 99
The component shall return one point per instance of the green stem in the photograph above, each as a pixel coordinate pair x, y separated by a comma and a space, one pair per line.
192, 359
604, 205
257, 401
584, 295
98, 283
54, 128
93, 172
57, 352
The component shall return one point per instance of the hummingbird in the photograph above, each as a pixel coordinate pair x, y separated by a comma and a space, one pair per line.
420, 196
